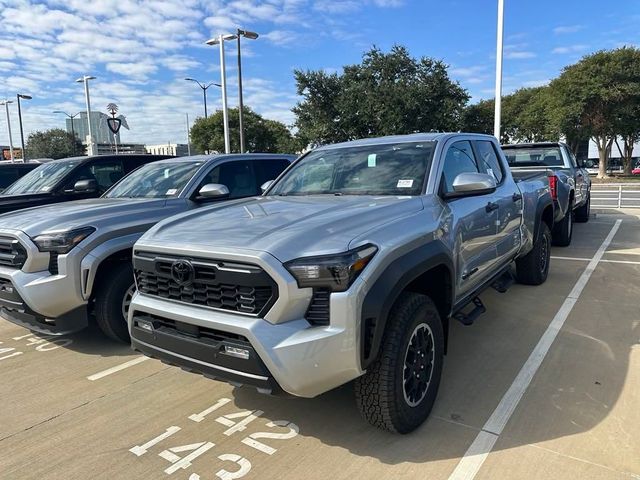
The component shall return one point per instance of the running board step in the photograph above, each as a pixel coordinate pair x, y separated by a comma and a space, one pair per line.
472, 316
503, 282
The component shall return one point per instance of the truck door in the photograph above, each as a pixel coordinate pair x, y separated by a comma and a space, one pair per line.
507, 197
473, 220
581, 184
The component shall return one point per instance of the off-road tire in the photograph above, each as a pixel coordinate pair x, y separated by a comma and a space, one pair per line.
108, 301
582, 213
563, 230
533, 268
380, 393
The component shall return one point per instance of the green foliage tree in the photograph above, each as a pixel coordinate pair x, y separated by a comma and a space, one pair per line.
54, 143
260, 134
478, 117
388, 93
591, 96
526, 116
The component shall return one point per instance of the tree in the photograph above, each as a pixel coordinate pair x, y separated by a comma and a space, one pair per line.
388, 93
526, 116
590, 95
54, 143
260, 134
478, 118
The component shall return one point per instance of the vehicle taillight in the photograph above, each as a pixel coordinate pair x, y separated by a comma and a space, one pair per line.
553, 186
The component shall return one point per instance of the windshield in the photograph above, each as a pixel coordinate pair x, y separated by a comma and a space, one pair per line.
43, 178
388, 169
534, 157
155, 180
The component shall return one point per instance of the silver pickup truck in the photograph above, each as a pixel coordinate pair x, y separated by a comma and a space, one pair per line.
350, 266
62, 264
570, 183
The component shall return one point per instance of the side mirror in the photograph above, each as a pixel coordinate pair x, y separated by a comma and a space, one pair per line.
473, 184
265, 186
86, 186
213, 191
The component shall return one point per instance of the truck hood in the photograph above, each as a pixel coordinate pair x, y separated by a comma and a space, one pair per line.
96, 212
285, 227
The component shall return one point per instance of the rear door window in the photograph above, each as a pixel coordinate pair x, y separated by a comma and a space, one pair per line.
268, 169
489, 159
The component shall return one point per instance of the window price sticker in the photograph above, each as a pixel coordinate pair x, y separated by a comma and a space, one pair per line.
404, 184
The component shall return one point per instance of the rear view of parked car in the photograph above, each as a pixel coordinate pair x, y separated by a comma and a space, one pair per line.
61, 264
570, 182
70, 179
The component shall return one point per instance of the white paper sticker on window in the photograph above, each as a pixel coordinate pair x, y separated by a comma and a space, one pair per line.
172, 191
404, 184
372, 160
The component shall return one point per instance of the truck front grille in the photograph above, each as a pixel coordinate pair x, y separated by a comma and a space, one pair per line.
217, 284
12, 253
318, 311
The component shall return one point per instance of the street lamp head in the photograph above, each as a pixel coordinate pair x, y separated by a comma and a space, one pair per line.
248, 34
190, 79
25, 97
85, 78
5, 102
216, 40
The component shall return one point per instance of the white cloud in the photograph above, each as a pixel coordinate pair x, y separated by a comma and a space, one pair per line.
569, 49
519, 55
563, 29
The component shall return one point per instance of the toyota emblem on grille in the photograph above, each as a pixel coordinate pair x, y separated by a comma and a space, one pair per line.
182, 272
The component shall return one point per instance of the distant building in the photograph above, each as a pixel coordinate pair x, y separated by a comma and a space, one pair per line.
100, 130
177, 149
124, 149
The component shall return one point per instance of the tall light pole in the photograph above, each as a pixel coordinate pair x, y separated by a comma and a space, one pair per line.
499, 45
251, 36
85, 79
204, 91
73, 132
24, 97
6, 108
219, 40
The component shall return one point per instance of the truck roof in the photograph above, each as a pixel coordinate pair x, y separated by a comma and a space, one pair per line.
413, 137
532, 145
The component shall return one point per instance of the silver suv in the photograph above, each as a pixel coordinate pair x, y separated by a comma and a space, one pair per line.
350, 266
63, 263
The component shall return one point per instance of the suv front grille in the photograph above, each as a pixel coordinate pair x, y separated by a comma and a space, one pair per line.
12, 253
218, 284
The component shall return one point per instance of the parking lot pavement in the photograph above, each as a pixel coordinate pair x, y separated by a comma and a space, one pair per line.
139, 419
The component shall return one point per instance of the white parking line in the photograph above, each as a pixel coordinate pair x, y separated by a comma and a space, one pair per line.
604, 260
484, 442
117, 368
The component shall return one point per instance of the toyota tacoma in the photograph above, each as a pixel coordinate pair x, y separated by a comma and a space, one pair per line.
349, 267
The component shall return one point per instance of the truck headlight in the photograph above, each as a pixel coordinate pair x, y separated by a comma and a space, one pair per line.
62, 242
336, 272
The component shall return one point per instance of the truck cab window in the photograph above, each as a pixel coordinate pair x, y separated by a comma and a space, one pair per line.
459, 159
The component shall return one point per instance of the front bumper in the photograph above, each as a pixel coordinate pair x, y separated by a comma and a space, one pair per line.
292, 356
14, 308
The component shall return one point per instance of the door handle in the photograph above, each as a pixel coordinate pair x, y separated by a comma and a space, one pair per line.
516, 197
491, 206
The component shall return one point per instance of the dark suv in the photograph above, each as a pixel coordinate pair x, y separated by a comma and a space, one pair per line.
70, 179
10, 172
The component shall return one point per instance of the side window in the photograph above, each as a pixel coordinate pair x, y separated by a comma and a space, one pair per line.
572, 157
106, 173
459, 159
237, 176
268, 169
489, 159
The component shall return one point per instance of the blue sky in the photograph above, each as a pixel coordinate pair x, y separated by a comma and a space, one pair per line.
141, 51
